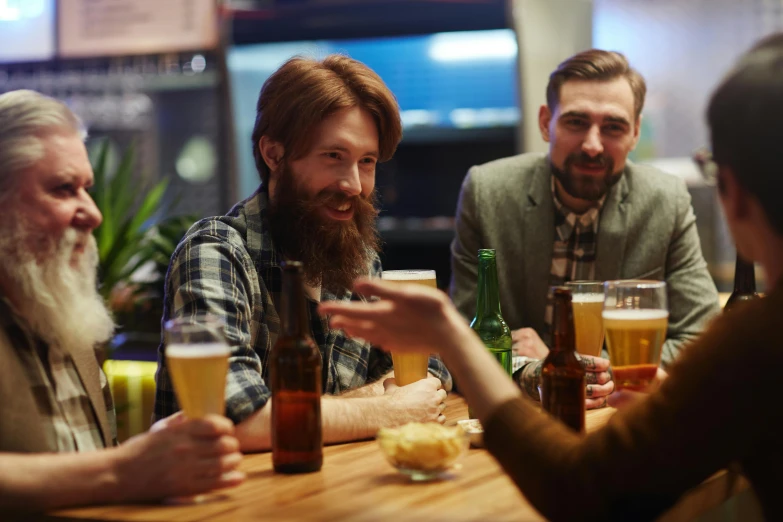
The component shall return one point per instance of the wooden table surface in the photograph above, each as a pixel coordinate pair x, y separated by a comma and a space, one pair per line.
356, 483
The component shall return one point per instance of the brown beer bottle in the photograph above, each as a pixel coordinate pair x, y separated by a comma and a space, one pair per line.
295, 381
562, 375
744, 284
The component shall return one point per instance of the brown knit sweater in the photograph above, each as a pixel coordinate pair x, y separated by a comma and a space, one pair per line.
721, 404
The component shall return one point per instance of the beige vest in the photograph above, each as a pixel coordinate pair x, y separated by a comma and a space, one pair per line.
20, 423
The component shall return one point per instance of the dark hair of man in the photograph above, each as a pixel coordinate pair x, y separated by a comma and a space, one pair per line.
600, 66
745, 115
303, 92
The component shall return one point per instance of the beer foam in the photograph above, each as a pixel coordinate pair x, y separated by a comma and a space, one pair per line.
193, 351
408, 275
621, 314
587, 298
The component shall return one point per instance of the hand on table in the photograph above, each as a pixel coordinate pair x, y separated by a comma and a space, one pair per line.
406, 318
421, 401
526, 342
179, 457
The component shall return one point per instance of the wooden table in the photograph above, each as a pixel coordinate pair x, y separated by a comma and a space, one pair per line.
356, 483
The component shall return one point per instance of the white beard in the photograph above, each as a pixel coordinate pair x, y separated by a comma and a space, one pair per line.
60, 303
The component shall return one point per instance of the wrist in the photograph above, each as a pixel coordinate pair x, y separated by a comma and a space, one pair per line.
110, 475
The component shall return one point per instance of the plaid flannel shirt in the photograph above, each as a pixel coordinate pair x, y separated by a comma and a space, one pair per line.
230, 267
573, 254
70, 422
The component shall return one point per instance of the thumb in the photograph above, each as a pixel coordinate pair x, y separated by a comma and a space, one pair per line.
389, 384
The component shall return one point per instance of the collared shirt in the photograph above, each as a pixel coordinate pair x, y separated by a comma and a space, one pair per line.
229, 266
70, 422
573, 254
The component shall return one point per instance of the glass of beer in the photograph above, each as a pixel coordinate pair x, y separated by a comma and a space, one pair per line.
197, 358
636, 316
410, 367
588, 303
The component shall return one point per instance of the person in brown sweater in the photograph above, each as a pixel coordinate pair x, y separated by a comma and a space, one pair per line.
721, 400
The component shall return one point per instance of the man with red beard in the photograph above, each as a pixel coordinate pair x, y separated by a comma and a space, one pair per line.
582, 212
57, 430
321, 128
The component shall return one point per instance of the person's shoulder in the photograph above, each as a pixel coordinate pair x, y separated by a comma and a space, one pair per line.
651, 181
519, 165
755, 323
506, 174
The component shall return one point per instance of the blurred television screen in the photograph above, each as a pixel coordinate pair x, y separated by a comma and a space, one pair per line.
27, 30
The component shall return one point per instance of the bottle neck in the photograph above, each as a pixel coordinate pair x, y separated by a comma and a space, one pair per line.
294, 305
563, 338
488, 297
744, 277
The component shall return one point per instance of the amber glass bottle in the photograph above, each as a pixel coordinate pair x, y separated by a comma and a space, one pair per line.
562, 375
295, 381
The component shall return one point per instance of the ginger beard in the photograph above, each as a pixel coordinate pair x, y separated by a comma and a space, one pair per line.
55, 290
334, 253
585, 186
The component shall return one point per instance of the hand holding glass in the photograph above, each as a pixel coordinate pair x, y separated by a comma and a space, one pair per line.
635, 316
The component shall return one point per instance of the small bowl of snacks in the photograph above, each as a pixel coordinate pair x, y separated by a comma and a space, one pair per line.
423, 451
474, 430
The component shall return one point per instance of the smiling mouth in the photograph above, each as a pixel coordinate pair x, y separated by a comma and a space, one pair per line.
345, 207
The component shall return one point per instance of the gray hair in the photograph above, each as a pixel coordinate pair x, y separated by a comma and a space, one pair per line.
26, 116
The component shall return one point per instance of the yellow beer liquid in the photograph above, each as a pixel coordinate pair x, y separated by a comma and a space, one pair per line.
199, 377
588, 323
410, 367
634, 339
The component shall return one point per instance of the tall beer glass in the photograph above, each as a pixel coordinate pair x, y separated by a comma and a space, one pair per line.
410, 367
197, 357
588, 303
636, 316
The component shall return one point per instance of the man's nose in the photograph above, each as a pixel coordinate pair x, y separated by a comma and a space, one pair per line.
87, 216
592, 145
351, 183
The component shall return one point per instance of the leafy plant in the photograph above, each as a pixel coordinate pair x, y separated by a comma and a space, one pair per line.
132, 235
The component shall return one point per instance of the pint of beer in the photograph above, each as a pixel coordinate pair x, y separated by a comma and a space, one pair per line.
635, 318
197, 360
199, 375
410, 367
588, 303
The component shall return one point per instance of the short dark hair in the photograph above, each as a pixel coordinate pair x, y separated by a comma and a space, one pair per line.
304, 91
745, 114
596, 65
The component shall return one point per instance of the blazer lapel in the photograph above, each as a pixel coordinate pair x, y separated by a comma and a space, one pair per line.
539, 240
612, 233
86, 365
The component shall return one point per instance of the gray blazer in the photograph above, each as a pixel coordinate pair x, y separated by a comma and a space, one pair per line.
647, 230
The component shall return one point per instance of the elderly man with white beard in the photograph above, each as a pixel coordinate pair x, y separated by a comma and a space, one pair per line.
57, 430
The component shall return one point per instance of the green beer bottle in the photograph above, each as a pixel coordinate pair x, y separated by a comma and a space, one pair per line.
489, 323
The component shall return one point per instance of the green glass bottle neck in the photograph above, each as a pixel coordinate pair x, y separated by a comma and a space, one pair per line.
744, 277
488, 299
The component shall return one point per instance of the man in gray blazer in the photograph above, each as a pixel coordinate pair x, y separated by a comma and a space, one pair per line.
57, 435
581, 212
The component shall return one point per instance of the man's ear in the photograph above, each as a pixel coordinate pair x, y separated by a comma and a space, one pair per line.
544, 119
637, 131
272, 152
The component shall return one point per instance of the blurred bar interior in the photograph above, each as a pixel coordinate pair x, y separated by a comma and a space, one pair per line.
180, 80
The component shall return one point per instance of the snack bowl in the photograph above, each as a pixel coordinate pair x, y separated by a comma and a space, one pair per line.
423, 451
474, 430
